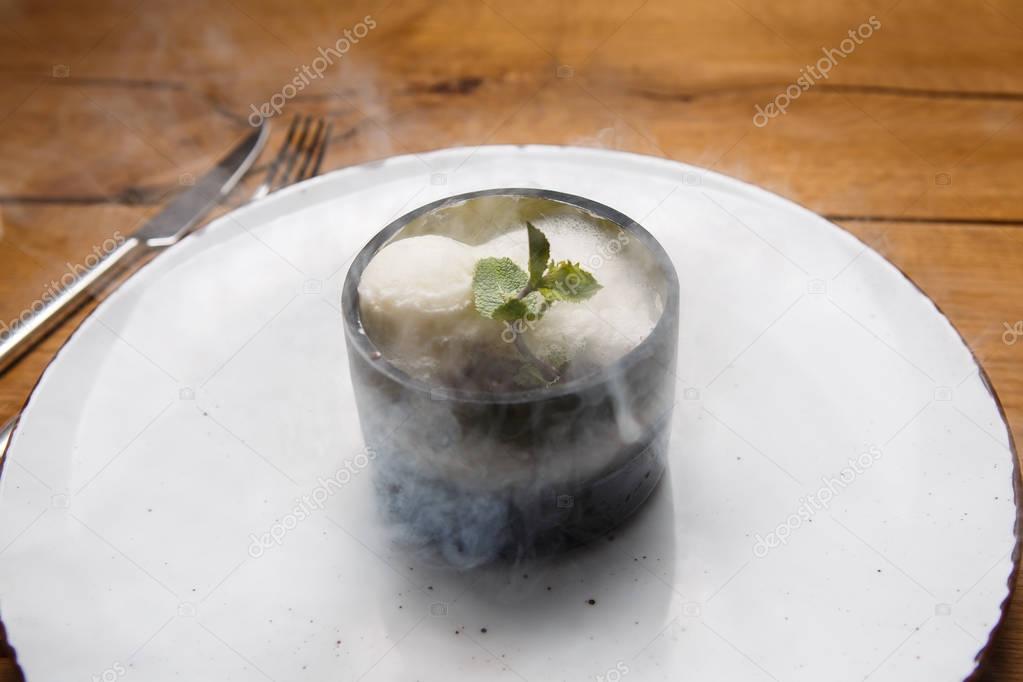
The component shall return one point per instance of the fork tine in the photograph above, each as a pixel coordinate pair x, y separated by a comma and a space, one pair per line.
296, 149
298, 142
275, 165
310, 151
323, 150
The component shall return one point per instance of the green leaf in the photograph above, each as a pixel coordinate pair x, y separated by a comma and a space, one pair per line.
494, 282
536, 305
539, 255
530, 308
509, 311
567, 281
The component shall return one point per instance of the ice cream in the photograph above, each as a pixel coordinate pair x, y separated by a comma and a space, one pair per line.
416, 302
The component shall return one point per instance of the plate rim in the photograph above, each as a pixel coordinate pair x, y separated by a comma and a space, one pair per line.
982, 659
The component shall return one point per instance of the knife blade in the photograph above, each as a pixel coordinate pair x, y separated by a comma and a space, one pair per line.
182, 214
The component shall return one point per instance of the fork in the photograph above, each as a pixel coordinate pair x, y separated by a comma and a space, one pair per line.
298, 144
299, 158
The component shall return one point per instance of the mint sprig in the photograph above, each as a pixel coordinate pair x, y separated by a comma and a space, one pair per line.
495, 282
505, 292
539, 255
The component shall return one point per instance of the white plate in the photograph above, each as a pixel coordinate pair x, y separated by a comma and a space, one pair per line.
204, 399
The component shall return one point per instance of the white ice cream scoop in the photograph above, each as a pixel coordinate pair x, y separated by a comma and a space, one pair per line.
417, 304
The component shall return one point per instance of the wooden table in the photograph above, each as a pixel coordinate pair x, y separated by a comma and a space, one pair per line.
913, 140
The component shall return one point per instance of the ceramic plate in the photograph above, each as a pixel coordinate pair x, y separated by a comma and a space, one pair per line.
185, 496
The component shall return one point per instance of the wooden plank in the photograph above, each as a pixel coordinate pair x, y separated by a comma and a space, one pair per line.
959, 45
963, 165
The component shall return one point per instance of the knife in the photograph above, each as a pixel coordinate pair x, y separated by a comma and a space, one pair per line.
5, 438
168, 227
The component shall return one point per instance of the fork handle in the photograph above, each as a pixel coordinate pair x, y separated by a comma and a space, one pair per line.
16, 340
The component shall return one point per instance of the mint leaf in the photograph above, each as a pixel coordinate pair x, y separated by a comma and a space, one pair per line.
567, 281
530, 308
494, 282
536, 305
539, 254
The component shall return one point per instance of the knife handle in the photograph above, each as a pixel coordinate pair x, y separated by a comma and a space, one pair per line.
18, 339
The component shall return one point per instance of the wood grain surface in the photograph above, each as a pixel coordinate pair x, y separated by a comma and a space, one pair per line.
914, 141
